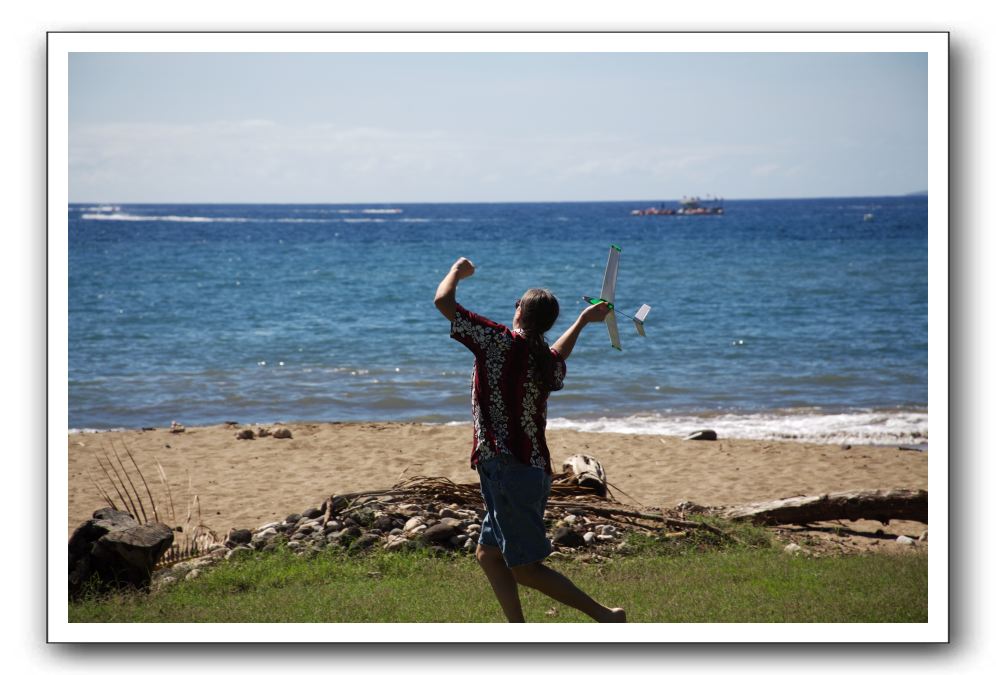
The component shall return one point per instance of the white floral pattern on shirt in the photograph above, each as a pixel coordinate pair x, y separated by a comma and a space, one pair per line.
491, 343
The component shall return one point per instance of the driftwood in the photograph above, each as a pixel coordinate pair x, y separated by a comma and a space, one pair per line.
587, 472
880, 505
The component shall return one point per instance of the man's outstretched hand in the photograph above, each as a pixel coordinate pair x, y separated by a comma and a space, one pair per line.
595, 313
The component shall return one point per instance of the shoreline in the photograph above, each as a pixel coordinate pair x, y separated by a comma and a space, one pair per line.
244, 483
878, 426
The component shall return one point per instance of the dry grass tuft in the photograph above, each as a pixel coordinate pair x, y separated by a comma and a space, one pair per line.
196, 537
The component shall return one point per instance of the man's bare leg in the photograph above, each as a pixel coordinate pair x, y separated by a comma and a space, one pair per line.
502, 582
557, 586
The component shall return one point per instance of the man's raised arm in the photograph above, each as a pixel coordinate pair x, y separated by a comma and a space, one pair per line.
446, 292
565, 343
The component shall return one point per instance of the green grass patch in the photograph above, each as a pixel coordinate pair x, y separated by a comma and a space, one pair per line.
698, 579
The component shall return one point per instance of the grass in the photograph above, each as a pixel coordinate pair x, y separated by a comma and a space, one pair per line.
695, 579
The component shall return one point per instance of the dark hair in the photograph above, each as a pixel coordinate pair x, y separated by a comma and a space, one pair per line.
538, 311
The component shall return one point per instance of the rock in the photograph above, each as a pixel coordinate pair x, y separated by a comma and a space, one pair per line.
792, 548
399, 543
589, 538
384, 523
238, 537
448, 513
605, 537
265, 535
292, 518
116, 551
332, 526
571, 519
307, 526
412, 523
469, 545
245, 435
298, 536
444, 530
282, 432
904, 540
294, 545
364, 541
363, 517
346, 536
565, 536
473, 528
262, 432
457, 541
312, 513
176, 428
192, 574
701, 435
923, 537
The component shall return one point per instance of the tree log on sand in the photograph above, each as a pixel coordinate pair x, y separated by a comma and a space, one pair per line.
880, 505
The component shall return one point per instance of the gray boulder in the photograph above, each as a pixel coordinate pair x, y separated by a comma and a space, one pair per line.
702, 435
112, 551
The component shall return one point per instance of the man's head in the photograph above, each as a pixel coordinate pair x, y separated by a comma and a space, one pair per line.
536, 311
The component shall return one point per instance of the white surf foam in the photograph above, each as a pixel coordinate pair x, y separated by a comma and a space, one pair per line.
874, 427
174, 219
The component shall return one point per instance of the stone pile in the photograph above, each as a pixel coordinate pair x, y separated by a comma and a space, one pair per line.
397, 525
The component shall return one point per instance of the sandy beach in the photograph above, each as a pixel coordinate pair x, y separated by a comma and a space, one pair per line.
244, 483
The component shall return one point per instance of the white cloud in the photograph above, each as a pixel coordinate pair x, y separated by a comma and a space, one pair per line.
262, 160
764, 170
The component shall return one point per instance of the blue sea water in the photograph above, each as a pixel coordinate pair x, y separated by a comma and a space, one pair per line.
780, 319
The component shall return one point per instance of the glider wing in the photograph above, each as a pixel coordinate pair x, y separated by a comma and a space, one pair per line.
610, 323
609, 294
611, 271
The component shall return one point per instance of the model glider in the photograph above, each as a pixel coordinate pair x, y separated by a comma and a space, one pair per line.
608, 296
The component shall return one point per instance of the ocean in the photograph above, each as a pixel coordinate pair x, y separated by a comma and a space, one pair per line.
784, 319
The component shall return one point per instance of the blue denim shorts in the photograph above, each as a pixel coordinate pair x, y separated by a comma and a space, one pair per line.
515, 497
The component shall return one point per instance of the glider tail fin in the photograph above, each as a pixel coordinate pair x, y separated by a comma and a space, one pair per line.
641, 314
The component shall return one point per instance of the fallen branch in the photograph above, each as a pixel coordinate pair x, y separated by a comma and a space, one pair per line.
880, 505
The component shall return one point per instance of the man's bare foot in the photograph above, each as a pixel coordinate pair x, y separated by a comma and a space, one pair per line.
615, 615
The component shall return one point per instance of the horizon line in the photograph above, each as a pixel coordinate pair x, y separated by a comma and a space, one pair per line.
915, 193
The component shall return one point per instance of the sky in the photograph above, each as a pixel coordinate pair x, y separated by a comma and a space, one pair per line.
493, 127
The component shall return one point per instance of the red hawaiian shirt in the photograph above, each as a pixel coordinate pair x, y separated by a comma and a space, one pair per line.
508, 398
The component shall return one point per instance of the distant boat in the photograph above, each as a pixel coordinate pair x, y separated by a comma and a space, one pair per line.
687, 206
869, 216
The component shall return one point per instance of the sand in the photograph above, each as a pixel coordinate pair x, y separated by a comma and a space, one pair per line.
245, 483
